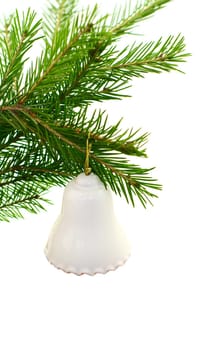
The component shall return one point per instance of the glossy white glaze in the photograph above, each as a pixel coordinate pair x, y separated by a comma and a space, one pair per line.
86, 238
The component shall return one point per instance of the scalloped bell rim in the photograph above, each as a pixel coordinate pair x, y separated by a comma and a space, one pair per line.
86, 271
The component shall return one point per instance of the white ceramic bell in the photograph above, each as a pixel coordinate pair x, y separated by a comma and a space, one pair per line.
86, 238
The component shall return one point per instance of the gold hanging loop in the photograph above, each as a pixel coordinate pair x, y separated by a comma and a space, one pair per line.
87, 168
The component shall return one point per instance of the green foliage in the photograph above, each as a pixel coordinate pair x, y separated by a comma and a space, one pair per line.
44, 116
124, 19
19, 36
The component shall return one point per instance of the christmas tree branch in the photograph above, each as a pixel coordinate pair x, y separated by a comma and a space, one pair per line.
98, 87
54, 66
44, 117
14, 208
19, 38
56, 17
56, 60
126, 19
109, 80
31, 171
132, 175
100, 134
152, 57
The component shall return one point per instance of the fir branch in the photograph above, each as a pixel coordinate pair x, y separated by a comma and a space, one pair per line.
125, 178
51, 66
57, 16
76, 81
118, 166
47, 76
20, 189
30, 171
18, 40
44, 119
126, 20
127, 142
101, 135
7, 41
109, 80
152, 57
13, 208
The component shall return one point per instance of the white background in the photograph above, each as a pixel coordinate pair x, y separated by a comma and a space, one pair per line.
153, 301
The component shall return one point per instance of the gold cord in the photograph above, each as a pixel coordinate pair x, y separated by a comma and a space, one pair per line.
88, 170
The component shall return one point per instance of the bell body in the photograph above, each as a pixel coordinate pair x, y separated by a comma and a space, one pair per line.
86, 238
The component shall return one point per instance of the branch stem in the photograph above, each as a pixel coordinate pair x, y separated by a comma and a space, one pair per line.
27, 199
